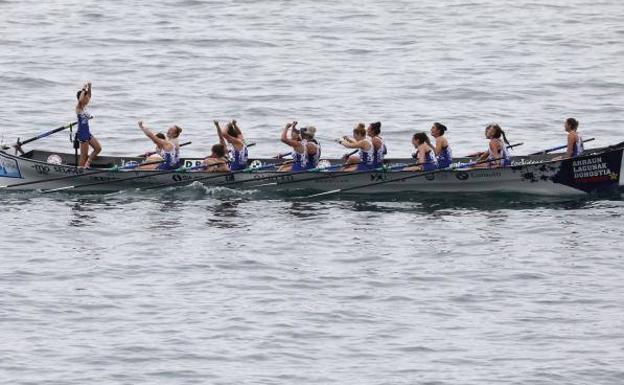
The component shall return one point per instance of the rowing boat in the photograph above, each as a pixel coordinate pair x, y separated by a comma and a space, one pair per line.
597, 170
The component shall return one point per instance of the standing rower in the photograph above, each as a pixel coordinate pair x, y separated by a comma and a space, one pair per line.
237, 148
83, 135
443, 152
365, 156
425, 154
379, 146
306, 150
497, 148
168, 152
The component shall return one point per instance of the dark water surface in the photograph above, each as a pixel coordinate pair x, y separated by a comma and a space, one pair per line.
212, 286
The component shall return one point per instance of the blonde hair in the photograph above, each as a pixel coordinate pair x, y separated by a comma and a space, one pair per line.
360, 130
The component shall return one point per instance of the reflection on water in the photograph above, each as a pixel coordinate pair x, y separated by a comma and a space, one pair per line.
84, 210
431, 203
305, 210
225, 214
225, 202
168, 214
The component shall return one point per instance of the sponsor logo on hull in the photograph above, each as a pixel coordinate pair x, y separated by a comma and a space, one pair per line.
9, 168
592, 173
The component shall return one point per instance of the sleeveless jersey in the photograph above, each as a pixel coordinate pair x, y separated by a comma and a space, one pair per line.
504, 154
578, 147
83, 134
304, 161
238, 158
367, 157
430, 161
445, 157
171, 159
378, 155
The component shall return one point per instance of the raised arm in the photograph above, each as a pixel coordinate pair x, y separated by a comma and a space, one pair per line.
285, 139
237, 142
84, 97
160, 142
220, 134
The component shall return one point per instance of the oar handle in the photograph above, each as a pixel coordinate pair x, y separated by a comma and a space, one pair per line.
347, 155
283, 154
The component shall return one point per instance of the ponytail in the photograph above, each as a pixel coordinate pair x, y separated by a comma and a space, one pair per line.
504, 138
441, 127
422, 138
498, 132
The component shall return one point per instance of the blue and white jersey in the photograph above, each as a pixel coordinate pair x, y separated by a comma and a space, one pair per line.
431, 162
445, 157
171, 159
367, 157
238, 159
504, 154
313, 159
378, 155
578, 147
304, 161
300, 159
83, 134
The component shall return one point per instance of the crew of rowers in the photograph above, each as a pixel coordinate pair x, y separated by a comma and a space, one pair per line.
369, 149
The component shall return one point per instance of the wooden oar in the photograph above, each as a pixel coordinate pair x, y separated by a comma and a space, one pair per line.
150, 173
337, 175
558, 148
421, 174
18, 145
150, 153
103, 171
509, 147
217, 175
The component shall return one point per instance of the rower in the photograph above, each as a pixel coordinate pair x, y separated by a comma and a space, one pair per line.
173, 136
237, 149
443, 152
497, 148
167, 151
379, 146
365, 156
575, 142
306, 150
83, 135
217, 161
425, 154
